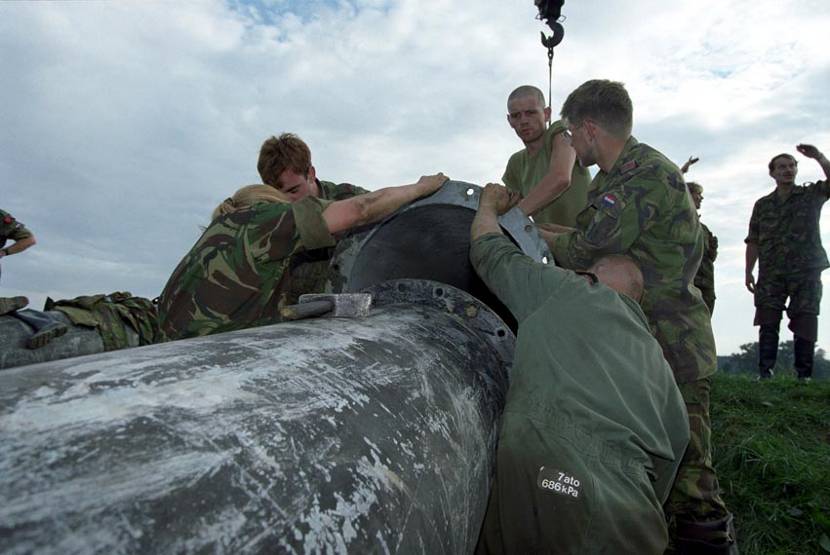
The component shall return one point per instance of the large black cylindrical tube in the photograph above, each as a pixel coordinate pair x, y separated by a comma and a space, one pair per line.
320, 436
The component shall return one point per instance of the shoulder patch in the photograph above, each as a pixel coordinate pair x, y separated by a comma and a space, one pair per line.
609, 200
8, 219
628, 166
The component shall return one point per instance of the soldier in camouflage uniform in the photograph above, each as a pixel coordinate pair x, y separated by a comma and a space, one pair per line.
545, 172
11, 229
705, 277
114, 316
285, 163
44, 328
237, 274
784, 238
639, 206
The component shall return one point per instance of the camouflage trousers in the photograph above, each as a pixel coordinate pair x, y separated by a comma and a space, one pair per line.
803, 290
695, 495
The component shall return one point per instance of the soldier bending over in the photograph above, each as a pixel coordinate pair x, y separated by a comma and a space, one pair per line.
594, 427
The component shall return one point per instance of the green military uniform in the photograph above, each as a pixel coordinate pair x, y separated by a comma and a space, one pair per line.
112, 316
237, 273
524, 172
790, 261
641, 208
594, 426
310, 268
11, 229
705, 277
338, 191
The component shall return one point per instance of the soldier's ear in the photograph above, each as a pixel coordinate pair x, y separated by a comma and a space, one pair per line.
312, 173
547, 114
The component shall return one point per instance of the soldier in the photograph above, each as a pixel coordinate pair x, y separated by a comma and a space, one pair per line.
44, 328
285, 163
236, 275
784, 238
23, 239
544, 172
639, 206
705, 277
593, 430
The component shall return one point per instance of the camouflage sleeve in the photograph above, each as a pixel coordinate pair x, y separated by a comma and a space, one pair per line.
11, 228
311, 227
752, 236
516, 279
347, 190
621, 215
823, 188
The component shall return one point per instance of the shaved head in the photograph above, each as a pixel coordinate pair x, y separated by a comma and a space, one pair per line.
527, 90
621, 274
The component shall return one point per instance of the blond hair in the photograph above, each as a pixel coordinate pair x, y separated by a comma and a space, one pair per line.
247, 196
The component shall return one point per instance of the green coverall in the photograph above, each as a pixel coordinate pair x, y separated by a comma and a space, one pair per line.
594, 426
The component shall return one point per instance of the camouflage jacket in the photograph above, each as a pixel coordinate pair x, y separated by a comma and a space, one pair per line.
787, 231
11, 229
641, 208
310, 268
236, 274
111, 315
333, 191
705, 277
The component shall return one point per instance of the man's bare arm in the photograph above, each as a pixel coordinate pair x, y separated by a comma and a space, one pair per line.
812, 152
685, 167
556, 181
343, 215
18, 246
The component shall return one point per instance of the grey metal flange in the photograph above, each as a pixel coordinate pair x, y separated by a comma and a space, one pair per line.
429, 239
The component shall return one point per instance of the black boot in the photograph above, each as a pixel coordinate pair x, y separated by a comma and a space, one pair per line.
804, 349
712, 537
767, 349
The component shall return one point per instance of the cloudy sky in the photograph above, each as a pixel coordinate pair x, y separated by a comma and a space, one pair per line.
125, 123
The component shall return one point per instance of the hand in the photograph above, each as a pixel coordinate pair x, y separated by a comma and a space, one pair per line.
431, 183
809, 151
750, 282
498, 198
685, 167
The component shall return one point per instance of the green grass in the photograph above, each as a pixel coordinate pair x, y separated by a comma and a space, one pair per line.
772, 455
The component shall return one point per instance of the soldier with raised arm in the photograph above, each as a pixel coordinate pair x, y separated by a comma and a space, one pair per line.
784, 238
545, 173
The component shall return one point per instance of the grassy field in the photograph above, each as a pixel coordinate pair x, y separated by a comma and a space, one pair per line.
772, 454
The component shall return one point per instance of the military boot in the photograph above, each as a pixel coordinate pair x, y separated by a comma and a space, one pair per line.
10, 304
803, 351
713, 537
767, 349
43, 336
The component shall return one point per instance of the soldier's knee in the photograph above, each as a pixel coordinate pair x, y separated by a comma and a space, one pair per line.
805, 326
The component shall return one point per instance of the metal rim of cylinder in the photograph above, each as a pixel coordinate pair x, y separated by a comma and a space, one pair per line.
440, 296
516, 225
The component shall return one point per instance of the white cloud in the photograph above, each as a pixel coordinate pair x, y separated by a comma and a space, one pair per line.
125, 123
